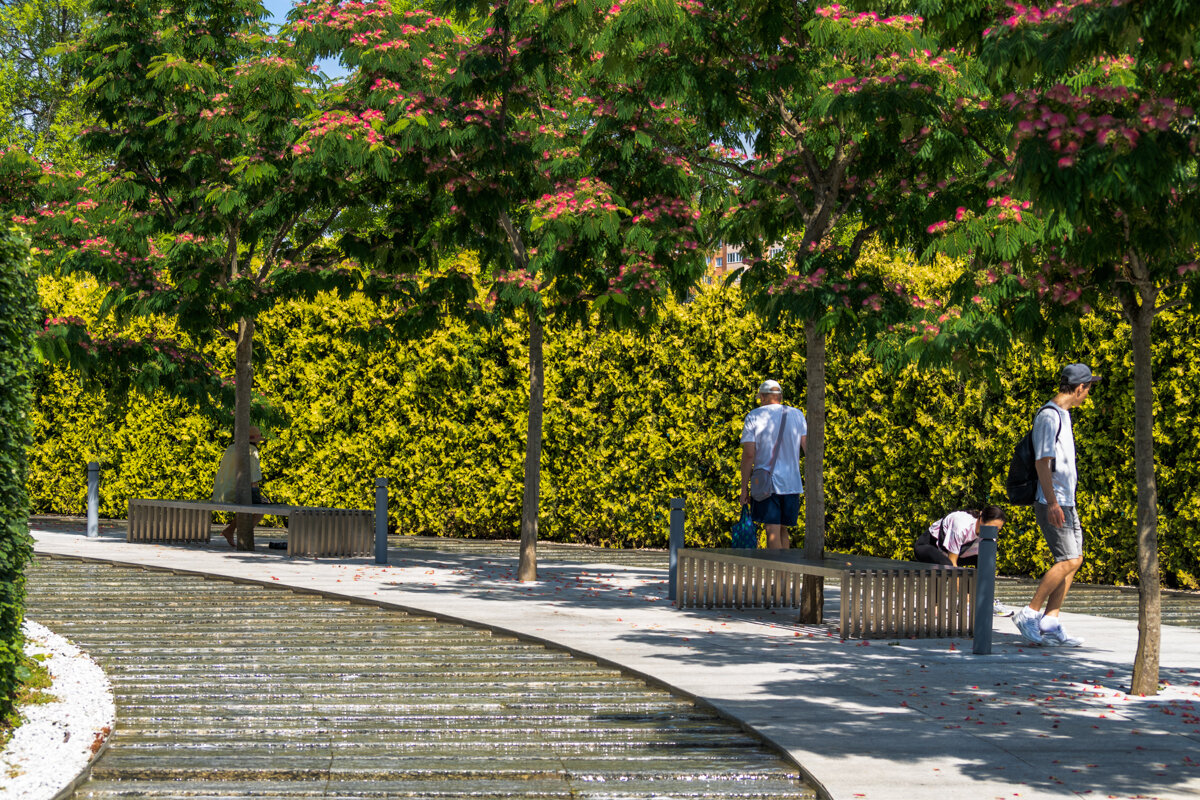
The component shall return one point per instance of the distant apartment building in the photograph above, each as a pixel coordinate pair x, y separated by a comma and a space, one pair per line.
725, 258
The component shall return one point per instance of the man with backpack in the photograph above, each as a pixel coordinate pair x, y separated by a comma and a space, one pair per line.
1054, 506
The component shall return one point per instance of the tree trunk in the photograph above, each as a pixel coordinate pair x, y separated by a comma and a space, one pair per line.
812, 594
527, 569
243, 391
1145, 664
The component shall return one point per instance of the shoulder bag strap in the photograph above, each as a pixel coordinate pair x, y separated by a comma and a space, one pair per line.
778, 439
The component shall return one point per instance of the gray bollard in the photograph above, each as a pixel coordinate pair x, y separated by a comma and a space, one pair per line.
93, 500
675, 542
985, 589
381, 510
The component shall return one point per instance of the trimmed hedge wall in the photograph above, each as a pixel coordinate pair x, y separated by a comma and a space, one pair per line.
18, 304
632, 421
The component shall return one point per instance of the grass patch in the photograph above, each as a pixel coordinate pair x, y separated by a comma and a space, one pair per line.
35, 680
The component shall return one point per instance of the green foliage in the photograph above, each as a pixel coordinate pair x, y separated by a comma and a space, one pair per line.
514, 154
18, 301
631, 421
34, 679
39, 97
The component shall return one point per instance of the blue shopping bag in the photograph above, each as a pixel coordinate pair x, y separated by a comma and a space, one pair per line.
743, 532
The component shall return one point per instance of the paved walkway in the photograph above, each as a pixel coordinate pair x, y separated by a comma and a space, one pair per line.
879, 720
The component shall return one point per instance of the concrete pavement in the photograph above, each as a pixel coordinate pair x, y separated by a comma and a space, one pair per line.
879, 719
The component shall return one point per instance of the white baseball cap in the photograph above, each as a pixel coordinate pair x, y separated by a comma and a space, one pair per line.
770, 387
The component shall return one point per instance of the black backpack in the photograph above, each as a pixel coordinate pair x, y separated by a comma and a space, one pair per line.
1022, 483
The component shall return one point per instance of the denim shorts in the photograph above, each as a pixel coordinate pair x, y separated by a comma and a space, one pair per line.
778, 509
1065, 542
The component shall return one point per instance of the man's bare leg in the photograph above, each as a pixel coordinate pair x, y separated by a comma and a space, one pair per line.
777, 538
231, 528
1052, 590
1054, 602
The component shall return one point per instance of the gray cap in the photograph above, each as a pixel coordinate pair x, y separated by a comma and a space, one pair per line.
1075, 374
770, 387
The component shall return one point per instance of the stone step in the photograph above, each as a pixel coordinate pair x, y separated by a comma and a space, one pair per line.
226, 763
400, 741
446, 727
673, 787
229, 691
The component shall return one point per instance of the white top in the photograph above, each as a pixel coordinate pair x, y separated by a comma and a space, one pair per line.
957, 533
762, 428
1065, 475
225, 484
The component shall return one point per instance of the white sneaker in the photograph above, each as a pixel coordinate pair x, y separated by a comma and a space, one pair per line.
1058, 637
1001, 610
1028, 621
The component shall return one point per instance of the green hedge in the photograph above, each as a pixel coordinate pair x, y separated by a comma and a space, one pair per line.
18, 305
632, 421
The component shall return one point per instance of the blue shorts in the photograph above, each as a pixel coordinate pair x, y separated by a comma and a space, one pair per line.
778, 509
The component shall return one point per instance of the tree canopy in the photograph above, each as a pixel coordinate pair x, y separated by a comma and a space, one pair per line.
496, 127
1097, 206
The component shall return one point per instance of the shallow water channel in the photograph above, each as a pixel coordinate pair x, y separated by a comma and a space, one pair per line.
233, 691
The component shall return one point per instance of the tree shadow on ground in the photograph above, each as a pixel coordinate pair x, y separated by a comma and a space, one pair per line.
1056, 717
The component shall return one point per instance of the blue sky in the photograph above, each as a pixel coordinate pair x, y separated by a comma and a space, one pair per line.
279, 10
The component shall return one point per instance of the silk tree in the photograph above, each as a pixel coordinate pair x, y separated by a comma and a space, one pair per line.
493, 124
202, 213
1099, 208
821, 128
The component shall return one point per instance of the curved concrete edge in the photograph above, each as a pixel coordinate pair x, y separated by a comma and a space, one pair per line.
822, 792
53, 751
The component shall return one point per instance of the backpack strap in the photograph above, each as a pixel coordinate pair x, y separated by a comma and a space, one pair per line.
941, 534
1057, 418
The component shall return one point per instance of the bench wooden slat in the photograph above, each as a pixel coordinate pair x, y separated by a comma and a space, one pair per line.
312, 531
164, 523
879, 598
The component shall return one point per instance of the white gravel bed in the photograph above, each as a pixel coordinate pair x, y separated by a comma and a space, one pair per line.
57, 741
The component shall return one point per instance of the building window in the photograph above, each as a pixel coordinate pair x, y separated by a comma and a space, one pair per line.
720, 262
735, 257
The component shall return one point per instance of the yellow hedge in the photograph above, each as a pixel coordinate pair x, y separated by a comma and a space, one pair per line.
631, 421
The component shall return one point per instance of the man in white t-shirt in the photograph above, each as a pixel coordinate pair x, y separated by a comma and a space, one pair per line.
225, 482
1054, 509
760, 436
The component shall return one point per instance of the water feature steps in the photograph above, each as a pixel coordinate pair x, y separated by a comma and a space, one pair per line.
235, 691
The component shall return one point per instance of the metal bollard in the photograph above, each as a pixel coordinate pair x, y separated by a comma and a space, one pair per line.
985, 589
675, 542
381, 509
93, 500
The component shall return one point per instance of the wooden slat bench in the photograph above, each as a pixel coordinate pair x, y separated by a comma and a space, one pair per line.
311, 531
880, 598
